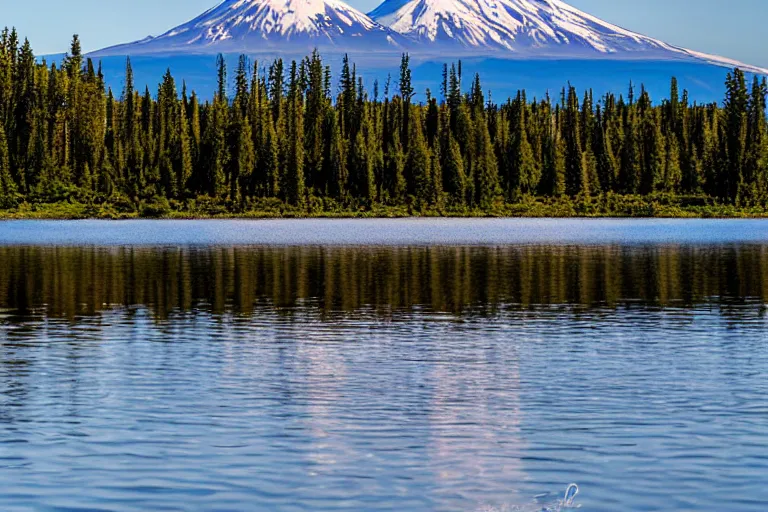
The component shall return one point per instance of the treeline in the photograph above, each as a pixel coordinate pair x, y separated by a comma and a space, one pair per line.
291, 133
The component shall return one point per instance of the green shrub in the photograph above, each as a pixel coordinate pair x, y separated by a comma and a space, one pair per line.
155, 208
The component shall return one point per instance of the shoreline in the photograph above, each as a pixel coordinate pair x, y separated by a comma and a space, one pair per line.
10, 218
622, 207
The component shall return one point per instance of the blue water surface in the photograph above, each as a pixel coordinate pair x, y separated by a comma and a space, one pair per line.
468, 365
368, 232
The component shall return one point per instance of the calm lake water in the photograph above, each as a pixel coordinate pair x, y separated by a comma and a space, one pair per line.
384, 365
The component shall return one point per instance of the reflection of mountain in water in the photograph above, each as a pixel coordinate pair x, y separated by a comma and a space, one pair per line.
475, 428
65, 282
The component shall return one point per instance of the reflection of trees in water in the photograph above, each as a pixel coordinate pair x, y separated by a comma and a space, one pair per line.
23, 373
464, 413
67, 282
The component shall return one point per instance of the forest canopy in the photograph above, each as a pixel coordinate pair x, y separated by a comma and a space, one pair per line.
290, 137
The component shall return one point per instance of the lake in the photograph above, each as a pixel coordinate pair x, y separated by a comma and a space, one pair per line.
468, 365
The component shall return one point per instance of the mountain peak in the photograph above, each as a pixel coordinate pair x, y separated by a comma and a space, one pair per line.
520, 26
257, 25
446, 29
526, 28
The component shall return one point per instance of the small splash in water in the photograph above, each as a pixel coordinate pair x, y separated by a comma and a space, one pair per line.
541, 503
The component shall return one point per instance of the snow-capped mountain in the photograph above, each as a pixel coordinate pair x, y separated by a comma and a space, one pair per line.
250, 26
427, 29
525, 28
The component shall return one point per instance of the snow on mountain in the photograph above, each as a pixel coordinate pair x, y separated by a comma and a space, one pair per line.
267, 25
443, 29
525, 28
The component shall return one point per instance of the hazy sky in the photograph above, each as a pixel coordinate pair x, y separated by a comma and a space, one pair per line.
733, 28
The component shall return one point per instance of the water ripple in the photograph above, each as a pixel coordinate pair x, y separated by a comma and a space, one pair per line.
371, 379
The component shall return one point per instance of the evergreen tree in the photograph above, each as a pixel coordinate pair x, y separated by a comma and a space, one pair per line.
183, 154
436, 175
453, 172
672, 172
168, 136
735, 134
361, 169
394, 166
652, 154
246, 157
606, 162
293, 143
419, 163
406, 94
276, 93
317, 104
476, 97
195, 135
65, 136
432, 121
755, 167
710, 145
130, 135
499, 130
221, 74
73, 61
214, 149
334, 158
484, 169
576, 178
7, 185
629, 166
6, 78
525, 173
553, 169
270, 162
113, 148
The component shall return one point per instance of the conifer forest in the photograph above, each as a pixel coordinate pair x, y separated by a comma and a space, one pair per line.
290, 139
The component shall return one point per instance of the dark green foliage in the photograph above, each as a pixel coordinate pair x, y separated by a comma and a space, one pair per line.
292, 142
7, 185
733, 135
453, 172
361, 177
419, 162
154, 207
576, 181
276, 138
524, 171
484, 170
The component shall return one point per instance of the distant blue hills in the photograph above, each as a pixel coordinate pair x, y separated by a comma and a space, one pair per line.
502, 77
540, 46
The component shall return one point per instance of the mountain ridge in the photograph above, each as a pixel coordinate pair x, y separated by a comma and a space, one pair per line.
243, 25
447, 29
526, 28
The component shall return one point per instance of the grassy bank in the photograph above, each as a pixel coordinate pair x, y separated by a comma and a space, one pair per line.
610, 205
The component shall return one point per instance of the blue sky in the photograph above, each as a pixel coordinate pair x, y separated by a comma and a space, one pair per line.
733, 28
